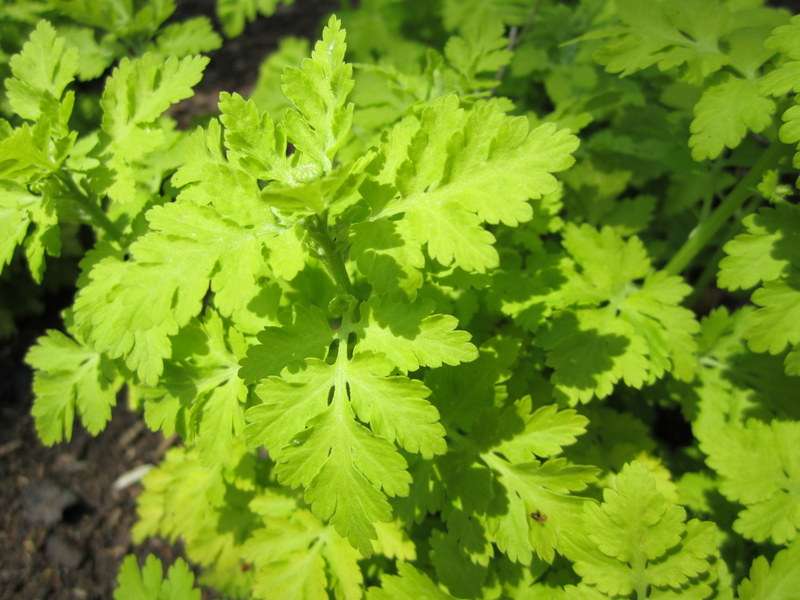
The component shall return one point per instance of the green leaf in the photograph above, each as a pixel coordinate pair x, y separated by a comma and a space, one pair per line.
121, 17
544, 432
396, 408
449, 167
785, 78
305, 334
410, 337
95, 56
149, 583
408, 584
29, 153
136, 94
618, 327
725, 113
70, 376
541, 514
462, 577
767, 254
267, 93
130, 308
307, 422
41, 71
320, 121
140, 90
235, 14
757, 463
298, 557
776, 581
15, 202
251, 139
478, 53
202, 380
637, 540
179, 494
347, 473
776, 323
385, 259
193, 36
670, 34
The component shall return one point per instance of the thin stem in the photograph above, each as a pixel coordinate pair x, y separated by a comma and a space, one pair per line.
707, 229
515, 37
330, 255
98, 216
712, 265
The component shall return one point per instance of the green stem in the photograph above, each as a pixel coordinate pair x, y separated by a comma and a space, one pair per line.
99, 217
712, 265
330, 255
707, 229
515, 38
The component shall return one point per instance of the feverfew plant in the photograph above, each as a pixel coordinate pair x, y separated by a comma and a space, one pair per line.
417, 339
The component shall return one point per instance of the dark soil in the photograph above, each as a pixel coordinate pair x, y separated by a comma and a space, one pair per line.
64, 530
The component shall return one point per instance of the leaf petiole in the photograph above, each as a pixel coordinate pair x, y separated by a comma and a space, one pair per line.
330, 253
708, 228
98, 216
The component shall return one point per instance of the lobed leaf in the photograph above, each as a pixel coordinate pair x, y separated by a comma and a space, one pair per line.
321, 118
70, 376
455, 166
42, 70
725, 113
149, 582
307, 421
636, 539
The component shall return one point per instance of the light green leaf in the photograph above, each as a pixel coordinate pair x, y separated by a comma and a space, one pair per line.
450, 166
129, 308
267, 93
542, 514
193, 36
669, 34
320, 122
139, 91
776, 323
636, 539
395, 407
779, 580
235, 14
306, 334
410, 337
767, 254
307, 422
347, 473
544, 432
725, 113
385, 258
251, 139
408, 584
70, 376
15, 201
150, 584
298, 557
619, 328
28, 153
136, 94
41, 71
758, 464
785, 78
